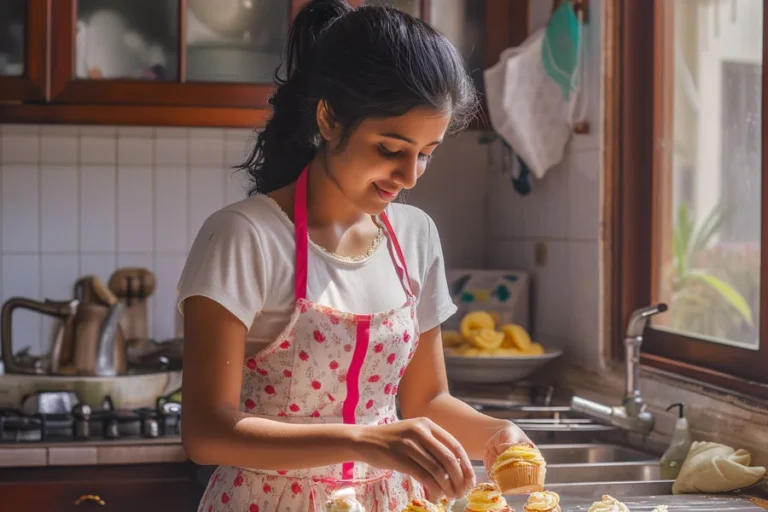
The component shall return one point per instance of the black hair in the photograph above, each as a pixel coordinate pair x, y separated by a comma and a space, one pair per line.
367, 62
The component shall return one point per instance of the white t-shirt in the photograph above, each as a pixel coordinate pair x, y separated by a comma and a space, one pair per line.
244, 258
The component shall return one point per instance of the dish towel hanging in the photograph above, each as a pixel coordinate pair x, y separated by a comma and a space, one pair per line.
535, 90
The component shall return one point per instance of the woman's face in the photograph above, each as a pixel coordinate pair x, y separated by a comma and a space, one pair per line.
383, 156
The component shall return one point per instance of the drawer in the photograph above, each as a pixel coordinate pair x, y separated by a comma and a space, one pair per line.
144, 496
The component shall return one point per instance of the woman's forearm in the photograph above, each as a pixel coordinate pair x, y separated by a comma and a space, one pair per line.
470, 427
233, 438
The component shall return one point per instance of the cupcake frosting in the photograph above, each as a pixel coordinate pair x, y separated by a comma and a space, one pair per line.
344, 500
543, 501
486, 498
445, 504
608, 504
421, 505
517, 454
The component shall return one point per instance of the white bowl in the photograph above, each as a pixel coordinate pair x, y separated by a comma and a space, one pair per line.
496, 369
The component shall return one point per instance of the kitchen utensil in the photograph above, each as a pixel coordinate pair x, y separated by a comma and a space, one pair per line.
49, 402
64, 310
98, 346
111, 356
133, 286
88, 341
483, 370
130, 391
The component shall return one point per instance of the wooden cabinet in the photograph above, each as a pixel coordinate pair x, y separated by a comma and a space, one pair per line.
146, 487
23, 50
186, 62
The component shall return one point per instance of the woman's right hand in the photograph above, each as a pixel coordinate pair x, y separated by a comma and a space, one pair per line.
422, 449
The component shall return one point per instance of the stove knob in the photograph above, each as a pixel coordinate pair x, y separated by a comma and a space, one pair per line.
111, 429
150, 428
81, 427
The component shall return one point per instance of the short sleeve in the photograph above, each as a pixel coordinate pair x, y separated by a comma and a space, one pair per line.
435, 304
226, 264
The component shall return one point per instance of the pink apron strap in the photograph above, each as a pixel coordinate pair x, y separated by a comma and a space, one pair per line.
302, 239
397, 255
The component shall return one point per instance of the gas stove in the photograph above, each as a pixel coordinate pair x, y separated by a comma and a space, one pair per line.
52, 420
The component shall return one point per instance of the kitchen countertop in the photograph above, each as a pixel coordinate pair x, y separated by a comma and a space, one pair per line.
88, 453
684, 503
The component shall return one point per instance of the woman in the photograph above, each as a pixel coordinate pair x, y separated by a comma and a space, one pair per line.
347, 288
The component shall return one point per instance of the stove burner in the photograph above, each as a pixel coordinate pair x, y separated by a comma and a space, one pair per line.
83, 423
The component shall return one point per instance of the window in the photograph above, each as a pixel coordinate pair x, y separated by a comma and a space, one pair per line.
692, 200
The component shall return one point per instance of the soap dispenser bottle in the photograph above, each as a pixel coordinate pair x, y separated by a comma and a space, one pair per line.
673, 458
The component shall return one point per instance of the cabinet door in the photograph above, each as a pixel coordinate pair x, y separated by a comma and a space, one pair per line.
167, 53
161, 496
23, 46
235, 41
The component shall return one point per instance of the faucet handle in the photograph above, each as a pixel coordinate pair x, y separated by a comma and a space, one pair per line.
639, 318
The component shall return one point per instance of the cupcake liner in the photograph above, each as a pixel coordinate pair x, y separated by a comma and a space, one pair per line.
520, 478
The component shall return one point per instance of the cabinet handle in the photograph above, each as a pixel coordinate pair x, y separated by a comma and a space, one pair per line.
90, 497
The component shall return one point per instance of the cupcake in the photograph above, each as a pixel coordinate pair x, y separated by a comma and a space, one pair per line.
608, 504
344, 500
445, 504
421, 505
543, 501
486, 498
519, 470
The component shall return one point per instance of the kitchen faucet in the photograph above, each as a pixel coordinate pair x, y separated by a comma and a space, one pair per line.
631, 415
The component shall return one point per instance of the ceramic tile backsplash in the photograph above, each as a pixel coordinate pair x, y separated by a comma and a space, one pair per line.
59, 208
80, 200
560, 221
20, 183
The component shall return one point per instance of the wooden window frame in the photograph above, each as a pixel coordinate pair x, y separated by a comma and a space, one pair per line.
635, 117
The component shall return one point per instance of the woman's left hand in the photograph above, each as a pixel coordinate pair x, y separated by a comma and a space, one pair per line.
505, 437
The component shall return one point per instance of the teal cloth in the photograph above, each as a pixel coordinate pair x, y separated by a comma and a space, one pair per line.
560, 47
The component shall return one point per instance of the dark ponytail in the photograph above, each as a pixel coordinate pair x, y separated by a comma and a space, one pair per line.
367, 62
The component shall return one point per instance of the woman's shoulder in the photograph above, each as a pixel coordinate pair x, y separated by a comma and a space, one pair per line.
258, 213
410, 219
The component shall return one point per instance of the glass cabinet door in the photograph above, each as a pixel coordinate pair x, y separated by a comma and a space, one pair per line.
13, 21
236, 41
127, 39
463, 22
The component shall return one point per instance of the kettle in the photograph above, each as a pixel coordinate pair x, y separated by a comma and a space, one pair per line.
89, 340
22, 363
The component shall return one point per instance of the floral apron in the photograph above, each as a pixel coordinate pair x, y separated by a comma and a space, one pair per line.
327, 366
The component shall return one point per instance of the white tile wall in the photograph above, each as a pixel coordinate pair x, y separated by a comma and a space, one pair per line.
82, 200
87, 200
562, 214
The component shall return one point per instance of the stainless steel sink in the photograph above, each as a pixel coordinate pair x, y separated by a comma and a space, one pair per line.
591, 454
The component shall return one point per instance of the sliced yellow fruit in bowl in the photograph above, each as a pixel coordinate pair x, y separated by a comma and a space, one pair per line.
535, 349
515, 336
475, 321
487, 339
